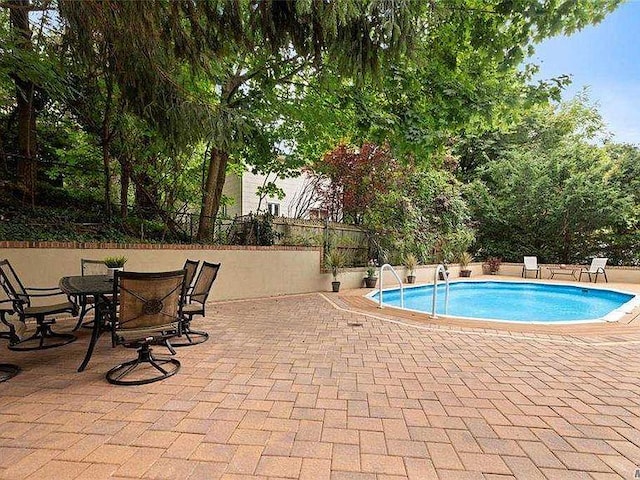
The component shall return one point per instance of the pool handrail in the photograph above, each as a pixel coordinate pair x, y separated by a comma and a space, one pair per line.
445, 274
380, 285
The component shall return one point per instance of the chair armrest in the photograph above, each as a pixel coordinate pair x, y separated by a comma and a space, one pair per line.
38, 289
47, 294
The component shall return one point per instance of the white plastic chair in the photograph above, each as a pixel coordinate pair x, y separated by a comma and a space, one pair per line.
597, 267
530, 265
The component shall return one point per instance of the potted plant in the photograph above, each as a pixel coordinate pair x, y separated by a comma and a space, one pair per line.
335, 261
491, 265
464, 260
411, 262
115, 264
370, 280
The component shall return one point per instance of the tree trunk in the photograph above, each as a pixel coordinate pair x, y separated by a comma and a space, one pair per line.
125, 176
106, 169
212, 194
146, 194
146, 191
106, 136
26, 113
3, 155
566, 238
153, 207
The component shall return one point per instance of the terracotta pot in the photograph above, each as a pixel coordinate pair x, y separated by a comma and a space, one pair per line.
370, 282
465, 273
411, 279
335, 286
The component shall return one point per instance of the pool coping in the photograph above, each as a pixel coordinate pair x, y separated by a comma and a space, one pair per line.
626, 326
613, 316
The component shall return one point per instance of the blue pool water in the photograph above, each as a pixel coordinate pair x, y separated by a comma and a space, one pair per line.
514, 301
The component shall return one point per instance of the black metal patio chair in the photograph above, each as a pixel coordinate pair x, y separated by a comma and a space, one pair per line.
149, 312
22, 298
194, 303
8, 370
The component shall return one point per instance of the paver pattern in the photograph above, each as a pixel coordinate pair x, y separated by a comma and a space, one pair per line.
295, 387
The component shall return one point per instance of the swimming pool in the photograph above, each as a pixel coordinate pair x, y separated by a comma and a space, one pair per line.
516, 301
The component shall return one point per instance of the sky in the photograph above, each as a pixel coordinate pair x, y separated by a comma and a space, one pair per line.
606, 59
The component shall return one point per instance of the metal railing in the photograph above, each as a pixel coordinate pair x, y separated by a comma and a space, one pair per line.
445, 274
399, 281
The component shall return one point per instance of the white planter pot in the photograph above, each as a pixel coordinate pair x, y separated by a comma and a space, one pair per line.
112, 271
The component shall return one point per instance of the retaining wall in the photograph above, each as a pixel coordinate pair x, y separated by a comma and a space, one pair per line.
247, 272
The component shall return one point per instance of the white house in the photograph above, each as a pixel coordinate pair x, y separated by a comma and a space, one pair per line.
300, 200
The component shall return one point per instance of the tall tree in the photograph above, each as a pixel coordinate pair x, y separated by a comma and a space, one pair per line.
234, 43
463, 76
232, 72
550, 190
27, 59
25, 96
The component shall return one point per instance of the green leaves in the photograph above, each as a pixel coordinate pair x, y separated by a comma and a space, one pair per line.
552, 193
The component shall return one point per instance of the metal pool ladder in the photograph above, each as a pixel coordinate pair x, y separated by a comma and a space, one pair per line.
440, 268
380, 286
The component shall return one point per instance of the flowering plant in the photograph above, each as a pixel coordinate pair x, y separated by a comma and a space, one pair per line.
371, 269
493, 264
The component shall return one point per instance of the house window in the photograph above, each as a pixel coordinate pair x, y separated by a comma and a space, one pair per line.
274, 209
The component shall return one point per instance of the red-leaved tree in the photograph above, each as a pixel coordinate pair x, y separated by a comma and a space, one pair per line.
356, 176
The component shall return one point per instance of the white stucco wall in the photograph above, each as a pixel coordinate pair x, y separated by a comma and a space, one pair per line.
248, 272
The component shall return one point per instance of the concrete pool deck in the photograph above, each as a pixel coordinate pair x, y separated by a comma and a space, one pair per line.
314, 387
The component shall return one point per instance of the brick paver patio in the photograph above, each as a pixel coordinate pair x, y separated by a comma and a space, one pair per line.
303, 387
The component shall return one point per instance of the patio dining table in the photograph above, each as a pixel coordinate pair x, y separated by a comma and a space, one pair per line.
98, 286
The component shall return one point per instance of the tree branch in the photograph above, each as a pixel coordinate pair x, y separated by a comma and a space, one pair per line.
28, 8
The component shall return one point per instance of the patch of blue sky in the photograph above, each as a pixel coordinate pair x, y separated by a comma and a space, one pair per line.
604, 59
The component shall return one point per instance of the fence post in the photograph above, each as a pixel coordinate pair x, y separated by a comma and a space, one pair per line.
325, 234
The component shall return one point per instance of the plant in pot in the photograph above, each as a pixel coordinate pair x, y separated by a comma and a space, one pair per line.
491, 265
411, 262
115, 264
335, 261
370, 280
464, 260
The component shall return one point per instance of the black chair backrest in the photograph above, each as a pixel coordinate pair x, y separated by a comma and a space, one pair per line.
148, 300
93, 267
206, 277
191, 266
13, 286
